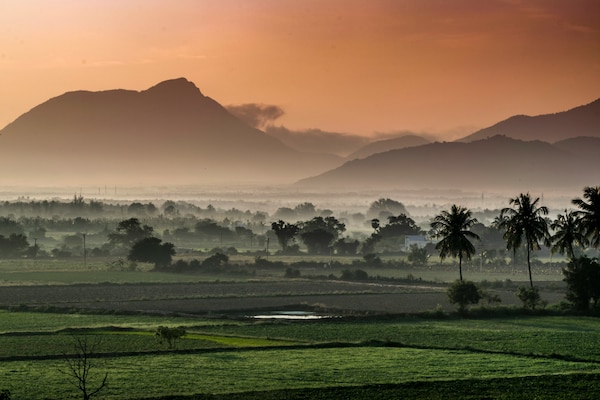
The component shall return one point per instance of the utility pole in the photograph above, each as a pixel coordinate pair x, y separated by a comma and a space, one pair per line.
267, 248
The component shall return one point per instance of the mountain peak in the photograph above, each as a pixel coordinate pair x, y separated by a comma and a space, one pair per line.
174, 87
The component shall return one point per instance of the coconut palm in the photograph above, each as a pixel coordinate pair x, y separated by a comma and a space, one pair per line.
453, 227
513, 238
567, 233
525, 221
590, 214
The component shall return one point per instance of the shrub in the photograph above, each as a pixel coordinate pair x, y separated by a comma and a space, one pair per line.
355, 275
530, 297
169, 335
292, 273
463, 293
373, 260
215, 261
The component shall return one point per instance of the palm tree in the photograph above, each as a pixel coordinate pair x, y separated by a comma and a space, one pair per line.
513, 238
453, 227
526, 221
590, 214
568, 232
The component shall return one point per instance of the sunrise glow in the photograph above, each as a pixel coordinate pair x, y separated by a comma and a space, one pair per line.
362, 67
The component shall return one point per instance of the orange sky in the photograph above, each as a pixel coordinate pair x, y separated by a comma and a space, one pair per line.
356, 66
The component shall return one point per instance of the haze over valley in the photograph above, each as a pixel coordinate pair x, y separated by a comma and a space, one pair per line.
172, 135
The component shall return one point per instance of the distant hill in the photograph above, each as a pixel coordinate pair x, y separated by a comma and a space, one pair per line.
495, 163
579, 121
318, 141
168, 134
584, 147
381, 146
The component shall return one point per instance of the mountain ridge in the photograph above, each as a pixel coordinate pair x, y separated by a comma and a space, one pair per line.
498, 162
578, 121
169, 132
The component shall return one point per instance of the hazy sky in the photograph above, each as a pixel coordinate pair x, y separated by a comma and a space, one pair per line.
356, 66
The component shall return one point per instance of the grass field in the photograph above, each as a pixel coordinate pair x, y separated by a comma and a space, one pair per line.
355, 357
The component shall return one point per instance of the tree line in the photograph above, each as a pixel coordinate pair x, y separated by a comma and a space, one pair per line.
524, 224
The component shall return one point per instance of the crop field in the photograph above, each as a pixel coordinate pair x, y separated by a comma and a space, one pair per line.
225, 357
367, 339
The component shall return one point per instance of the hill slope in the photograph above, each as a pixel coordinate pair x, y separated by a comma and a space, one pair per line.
170, 133
579, 121
388, 144
496, 163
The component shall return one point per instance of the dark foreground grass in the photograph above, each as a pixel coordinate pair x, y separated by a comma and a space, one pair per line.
555, 387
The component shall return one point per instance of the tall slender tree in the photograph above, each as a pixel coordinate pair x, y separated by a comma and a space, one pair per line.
567, 233
525, 221
513, 238
590, 214
453, 228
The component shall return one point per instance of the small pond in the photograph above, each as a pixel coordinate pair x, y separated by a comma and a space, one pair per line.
289, 315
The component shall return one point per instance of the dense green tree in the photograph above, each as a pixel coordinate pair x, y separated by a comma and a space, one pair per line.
582, 276
129, 232
210, 228
529, 296
305, 210
215, 261
385, 207
463, 293
417, 255
9, 226
454, 229
567, 234
152, 250
525, 221
317, 241
590, 214
346, 247
319, 234
285, 233
399, 225
13, 246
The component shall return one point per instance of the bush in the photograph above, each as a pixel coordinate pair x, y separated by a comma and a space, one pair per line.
169, 335
463, 293
530, 297
373, 260
292, 273
356, 275
215, 261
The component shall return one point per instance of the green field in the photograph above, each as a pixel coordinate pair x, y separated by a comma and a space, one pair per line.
342, 358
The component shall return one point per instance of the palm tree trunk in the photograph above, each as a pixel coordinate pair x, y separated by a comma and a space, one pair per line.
460, 265
529, 268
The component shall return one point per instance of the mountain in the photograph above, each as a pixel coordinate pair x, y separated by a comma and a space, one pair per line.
579, 121
318, 141
380, 146
170, 133
584, 147
495, 163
